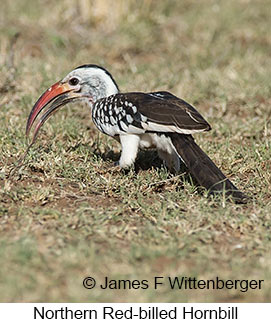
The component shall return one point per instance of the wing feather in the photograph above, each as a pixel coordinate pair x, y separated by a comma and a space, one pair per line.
164, 112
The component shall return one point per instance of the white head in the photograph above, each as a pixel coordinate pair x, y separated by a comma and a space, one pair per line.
86, 82
93, 80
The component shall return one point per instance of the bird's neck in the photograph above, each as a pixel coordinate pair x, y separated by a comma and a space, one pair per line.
111, 89
105, 90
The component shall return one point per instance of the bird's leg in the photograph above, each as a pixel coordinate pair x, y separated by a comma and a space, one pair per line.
171, 160
129, 145
167, 152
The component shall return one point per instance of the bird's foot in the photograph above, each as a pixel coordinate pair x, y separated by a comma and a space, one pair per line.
125, 169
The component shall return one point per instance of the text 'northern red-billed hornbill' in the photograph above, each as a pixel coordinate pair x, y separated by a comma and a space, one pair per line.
138, 120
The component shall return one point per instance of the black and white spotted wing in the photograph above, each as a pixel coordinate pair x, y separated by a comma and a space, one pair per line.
138, 113
115, 115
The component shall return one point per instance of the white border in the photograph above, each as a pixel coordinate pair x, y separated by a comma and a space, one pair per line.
24, 312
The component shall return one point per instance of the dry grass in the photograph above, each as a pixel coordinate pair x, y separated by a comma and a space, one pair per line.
68, 213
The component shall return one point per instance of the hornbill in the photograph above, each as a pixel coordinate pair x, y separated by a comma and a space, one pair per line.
138, 120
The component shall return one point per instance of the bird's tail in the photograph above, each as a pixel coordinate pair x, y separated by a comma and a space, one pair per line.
203, 169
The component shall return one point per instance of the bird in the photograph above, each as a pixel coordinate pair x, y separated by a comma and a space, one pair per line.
138, 120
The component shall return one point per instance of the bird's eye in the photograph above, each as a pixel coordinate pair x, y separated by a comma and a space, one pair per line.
74, 81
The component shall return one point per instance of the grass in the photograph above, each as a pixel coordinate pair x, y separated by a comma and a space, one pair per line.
68, 213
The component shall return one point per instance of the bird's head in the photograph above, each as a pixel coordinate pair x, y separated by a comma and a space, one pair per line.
87, 82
